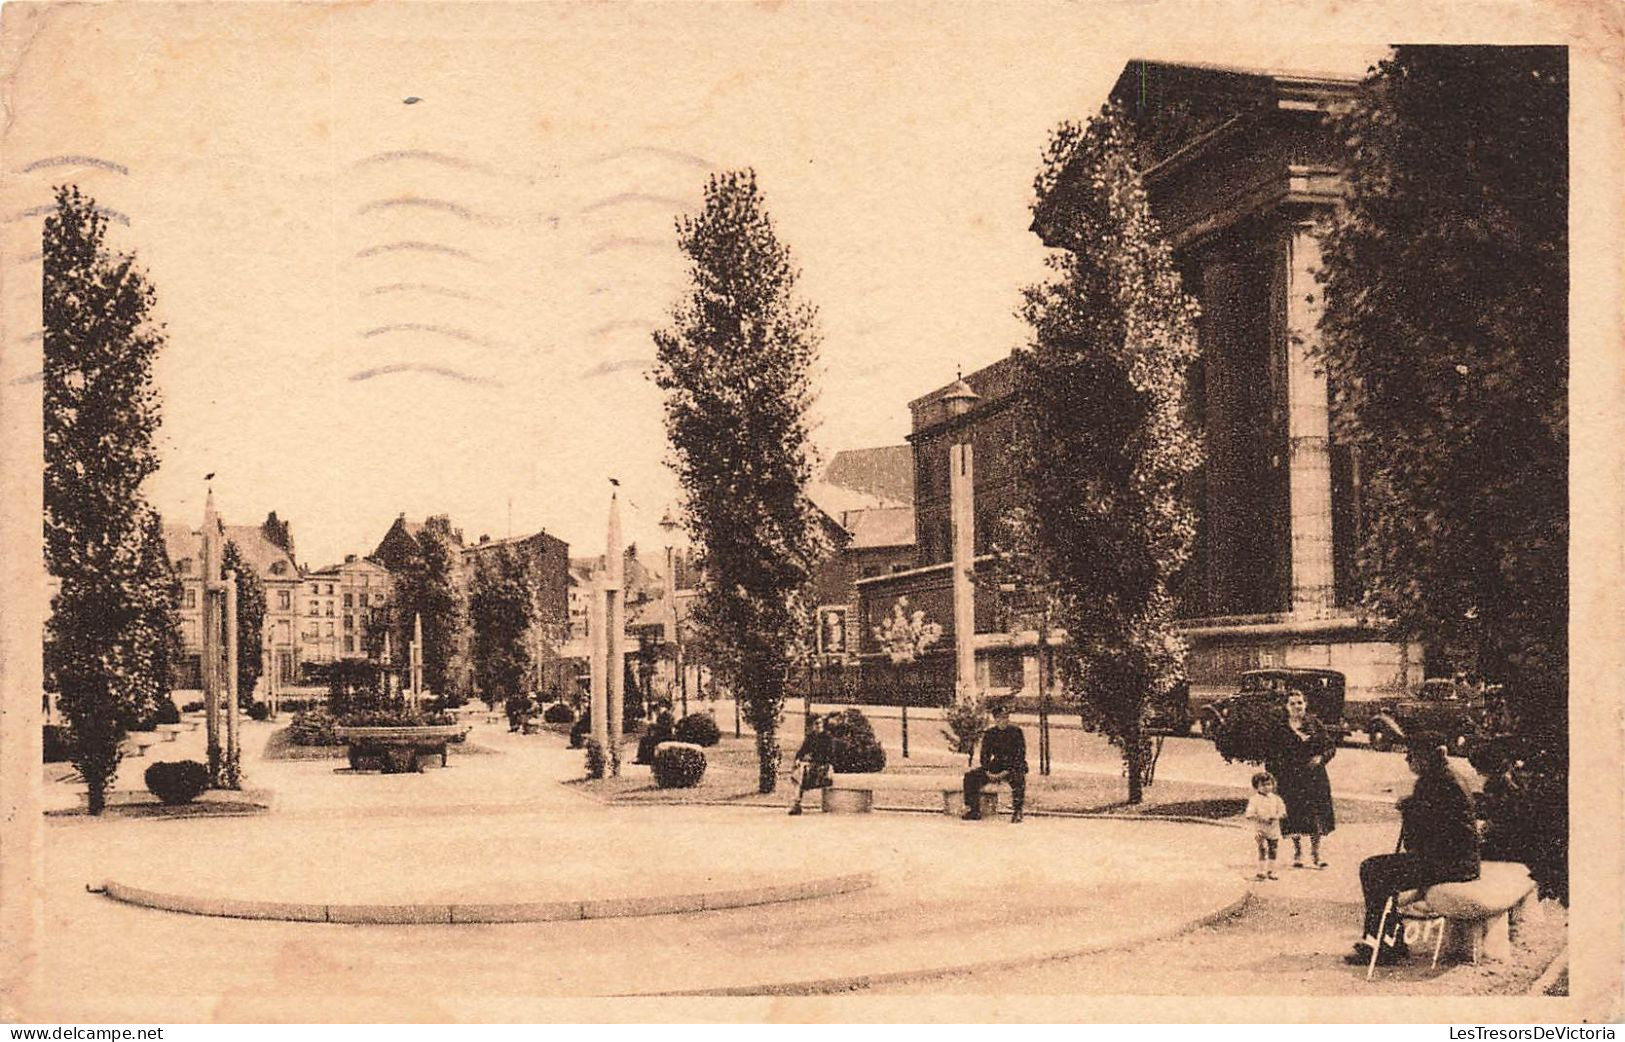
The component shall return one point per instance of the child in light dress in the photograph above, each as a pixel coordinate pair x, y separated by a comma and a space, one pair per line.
1265, 810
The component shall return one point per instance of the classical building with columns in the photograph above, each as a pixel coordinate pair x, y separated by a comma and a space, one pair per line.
1239, 165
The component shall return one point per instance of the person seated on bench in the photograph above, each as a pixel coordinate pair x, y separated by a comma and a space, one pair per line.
1439, 845
813, 768
663, 727
1004, 758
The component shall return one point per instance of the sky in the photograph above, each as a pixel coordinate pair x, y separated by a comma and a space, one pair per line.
379, 305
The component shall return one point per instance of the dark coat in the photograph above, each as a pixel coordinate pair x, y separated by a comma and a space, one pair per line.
1439, 826
1304, 786
1004, 749
817, 747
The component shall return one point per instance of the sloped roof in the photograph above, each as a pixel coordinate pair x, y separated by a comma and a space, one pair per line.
876, 477
260, 553
881, 527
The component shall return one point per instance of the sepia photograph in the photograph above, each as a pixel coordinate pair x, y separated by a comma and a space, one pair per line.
553, 513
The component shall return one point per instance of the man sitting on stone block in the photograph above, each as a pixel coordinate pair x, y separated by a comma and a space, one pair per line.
1003, 759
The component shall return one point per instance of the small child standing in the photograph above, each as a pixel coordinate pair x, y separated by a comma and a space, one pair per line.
1265, 810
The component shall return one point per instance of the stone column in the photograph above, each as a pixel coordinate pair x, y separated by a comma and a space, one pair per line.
614, 626
417, 659
1309, 473
962, 511
233, 747
598, 658
210, 584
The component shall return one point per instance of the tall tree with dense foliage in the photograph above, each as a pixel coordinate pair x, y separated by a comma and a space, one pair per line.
250, 620
502, 611
109, 646
734, 365
1445, 339
430, 586
1105, 452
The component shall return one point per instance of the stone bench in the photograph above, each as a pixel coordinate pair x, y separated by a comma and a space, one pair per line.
855, 793
1473, 920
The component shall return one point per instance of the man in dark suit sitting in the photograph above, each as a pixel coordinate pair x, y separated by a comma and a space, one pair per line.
1004, 758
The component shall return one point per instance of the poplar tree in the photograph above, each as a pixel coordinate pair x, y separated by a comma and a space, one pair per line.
250, 620
1106, 451
110, 642
734, 364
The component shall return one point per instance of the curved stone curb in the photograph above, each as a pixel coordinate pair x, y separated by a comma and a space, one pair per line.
1549, 975
518, 912
863, 981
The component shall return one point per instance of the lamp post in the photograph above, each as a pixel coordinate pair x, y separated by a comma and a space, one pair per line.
958, 401
669, 526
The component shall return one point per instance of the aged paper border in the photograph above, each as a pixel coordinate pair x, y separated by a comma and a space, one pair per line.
1595, 33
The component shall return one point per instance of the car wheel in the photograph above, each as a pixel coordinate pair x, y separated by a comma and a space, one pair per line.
1382, 739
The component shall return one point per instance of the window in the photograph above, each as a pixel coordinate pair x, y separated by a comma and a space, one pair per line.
330, 629
284, 600
363, 600
184, 566
349, 600
349, 643
279, 568
191, 597
315, 587
330, 589
330, 609
315, 608
349, 622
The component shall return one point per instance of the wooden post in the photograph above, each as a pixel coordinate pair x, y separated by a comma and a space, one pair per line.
614, 630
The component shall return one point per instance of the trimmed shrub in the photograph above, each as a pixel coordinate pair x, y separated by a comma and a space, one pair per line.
56, 743
857, 750
167, 713
596, 761
313, 727
258, 710
1525, 805
559, 713
679, 765
179, 782
582, 728
699, 729
1248, 731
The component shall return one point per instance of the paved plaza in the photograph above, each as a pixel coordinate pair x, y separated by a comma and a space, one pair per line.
943, 905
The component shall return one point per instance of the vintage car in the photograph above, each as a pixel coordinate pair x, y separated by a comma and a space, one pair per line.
1323, 688
1455, 712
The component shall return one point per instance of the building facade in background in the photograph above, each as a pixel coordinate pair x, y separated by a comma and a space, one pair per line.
1239, 166
262, 549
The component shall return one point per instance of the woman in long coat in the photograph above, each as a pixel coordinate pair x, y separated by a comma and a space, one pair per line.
1301, 747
